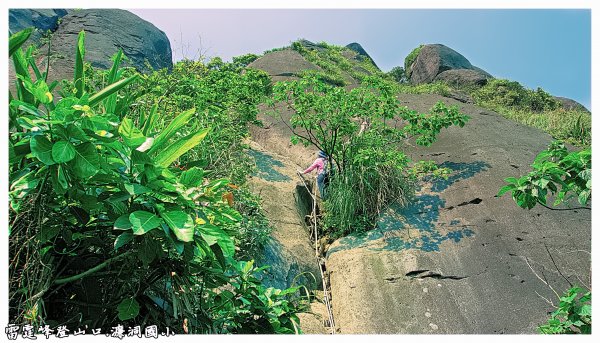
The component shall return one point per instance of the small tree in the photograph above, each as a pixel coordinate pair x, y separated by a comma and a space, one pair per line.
358, 129
398, 74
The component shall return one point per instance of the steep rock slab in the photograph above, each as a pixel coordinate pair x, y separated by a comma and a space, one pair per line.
434, 59
107, 30
289, 253
459, 259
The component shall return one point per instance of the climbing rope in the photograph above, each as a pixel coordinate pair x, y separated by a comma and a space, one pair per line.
320, 259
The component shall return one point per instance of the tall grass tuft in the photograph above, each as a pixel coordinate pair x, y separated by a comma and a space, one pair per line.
357, 196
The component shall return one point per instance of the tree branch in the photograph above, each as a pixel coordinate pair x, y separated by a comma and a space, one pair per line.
91, 270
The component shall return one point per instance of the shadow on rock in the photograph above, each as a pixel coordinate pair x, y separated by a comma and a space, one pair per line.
417, 226
265, 165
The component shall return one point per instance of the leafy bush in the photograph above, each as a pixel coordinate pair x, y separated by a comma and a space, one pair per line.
513, 95
335, 65
103, 228
398, 74
438, 87
555, 172
573, 315
356, 129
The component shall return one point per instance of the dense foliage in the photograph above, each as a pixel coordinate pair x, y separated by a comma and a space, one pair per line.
573, 315
535, 108
356, 129
121, 206
556, 172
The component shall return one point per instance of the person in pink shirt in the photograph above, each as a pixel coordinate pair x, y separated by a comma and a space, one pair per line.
320, 164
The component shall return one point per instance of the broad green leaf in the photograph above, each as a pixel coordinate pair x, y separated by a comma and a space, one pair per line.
136, 189
63, 151
143, 221
132, 136
122, 223
123, 239
128, 309
16, 40
111, 89
212, 234
78, 78
22, 73
25, 107
192, 177
149, 122
181, 223
505, 189
180, 147
112, 75
180, 121
86, 161
41, 148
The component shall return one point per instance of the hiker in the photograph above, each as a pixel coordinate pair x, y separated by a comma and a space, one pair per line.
321, 165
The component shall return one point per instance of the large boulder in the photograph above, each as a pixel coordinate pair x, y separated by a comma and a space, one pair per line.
43, 20
107, 30
463, 77
434, 59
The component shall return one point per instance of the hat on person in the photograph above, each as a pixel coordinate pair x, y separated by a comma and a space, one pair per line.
322, 154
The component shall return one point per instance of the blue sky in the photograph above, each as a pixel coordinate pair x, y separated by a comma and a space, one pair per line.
539, 48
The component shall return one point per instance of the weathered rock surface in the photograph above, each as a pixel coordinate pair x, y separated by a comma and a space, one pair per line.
570, 104
458, 259
434, 59
107, 30
283, 65
289, 253
41, 19
463, 77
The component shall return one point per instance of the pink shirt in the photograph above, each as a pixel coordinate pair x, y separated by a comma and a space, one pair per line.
319, 163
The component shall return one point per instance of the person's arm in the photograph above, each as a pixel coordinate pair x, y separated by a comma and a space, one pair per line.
315, 164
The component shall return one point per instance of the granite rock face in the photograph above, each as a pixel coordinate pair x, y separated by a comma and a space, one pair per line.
435, 59
42, 20
107, 30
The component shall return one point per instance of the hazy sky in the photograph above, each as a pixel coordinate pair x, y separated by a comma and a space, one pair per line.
539, 48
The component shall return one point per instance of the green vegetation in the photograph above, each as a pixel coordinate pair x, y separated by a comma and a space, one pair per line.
573, 315
555, 172
563, 175
535, 108
437, 87
410, 59
337, 68
122, 206
397, 74
356, 129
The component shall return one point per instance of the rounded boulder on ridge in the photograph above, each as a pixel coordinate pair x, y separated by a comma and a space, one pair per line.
107, 31
434, 59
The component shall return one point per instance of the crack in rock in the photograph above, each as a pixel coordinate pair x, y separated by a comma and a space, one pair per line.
422, 274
